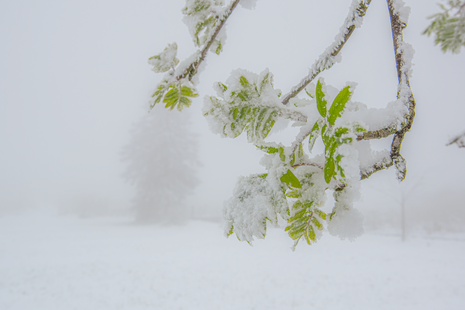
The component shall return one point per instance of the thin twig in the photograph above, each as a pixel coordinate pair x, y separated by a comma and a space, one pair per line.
191, 70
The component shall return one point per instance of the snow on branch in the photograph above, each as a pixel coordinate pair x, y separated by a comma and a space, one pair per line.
206, 20
331, 54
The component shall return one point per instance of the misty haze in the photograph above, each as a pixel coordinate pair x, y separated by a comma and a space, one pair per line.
106, 203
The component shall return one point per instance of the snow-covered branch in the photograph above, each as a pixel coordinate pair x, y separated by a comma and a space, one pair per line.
331, 54
192, 69
404, 55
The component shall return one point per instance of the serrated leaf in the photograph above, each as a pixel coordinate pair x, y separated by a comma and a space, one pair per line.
179, 99
320, 101
339, 105
290, 179
320, 213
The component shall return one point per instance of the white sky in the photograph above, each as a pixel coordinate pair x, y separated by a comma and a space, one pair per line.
74, 77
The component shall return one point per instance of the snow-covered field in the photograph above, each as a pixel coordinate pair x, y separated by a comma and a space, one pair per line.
50, 262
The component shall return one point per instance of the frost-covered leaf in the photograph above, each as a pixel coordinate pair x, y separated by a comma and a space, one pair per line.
202, 17
254, 202
166, 59
305, 221
314, 135
248, 103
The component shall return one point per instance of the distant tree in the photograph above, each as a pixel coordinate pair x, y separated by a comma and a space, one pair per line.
162, 162
297, 182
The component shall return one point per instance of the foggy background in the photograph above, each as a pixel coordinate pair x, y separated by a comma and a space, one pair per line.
74, 79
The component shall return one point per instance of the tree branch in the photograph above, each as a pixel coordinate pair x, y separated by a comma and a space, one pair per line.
328, 58
377, 134
192, 69
404, 90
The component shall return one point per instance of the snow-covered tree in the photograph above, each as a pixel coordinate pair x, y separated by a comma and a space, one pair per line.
297, 181
162, 162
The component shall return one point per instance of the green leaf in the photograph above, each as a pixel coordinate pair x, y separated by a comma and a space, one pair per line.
339, 105
243, 81
282, 156
290, 179
313, 136
267, 79
329, 169
179, 99
320, 102
339, 168
268, 149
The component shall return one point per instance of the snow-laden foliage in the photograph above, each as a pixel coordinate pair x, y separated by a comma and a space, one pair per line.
297, 181
249, 103
205, 20
448, 26
162, 160
166, 59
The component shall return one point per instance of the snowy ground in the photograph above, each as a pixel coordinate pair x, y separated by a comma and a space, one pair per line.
67, 263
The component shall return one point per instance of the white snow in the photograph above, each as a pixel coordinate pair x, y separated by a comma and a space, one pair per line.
248, 4
65, 263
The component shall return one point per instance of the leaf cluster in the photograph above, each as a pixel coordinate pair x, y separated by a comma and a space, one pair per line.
174, 95
248, 106
448, 26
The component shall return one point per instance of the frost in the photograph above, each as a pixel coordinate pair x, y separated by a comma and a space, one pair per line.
349, 162
407, 52
252, 204
165, 60
402, 10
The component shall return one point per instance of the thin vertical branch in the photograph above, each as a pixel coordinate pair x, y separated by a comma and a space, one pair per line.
404, 90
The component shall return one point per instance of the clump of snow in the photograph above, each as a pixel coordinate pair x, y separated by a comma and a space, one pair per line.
248, 4
349, 162
182, 67
407, 52
165, 60
346, 224
402, 10
252, 204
